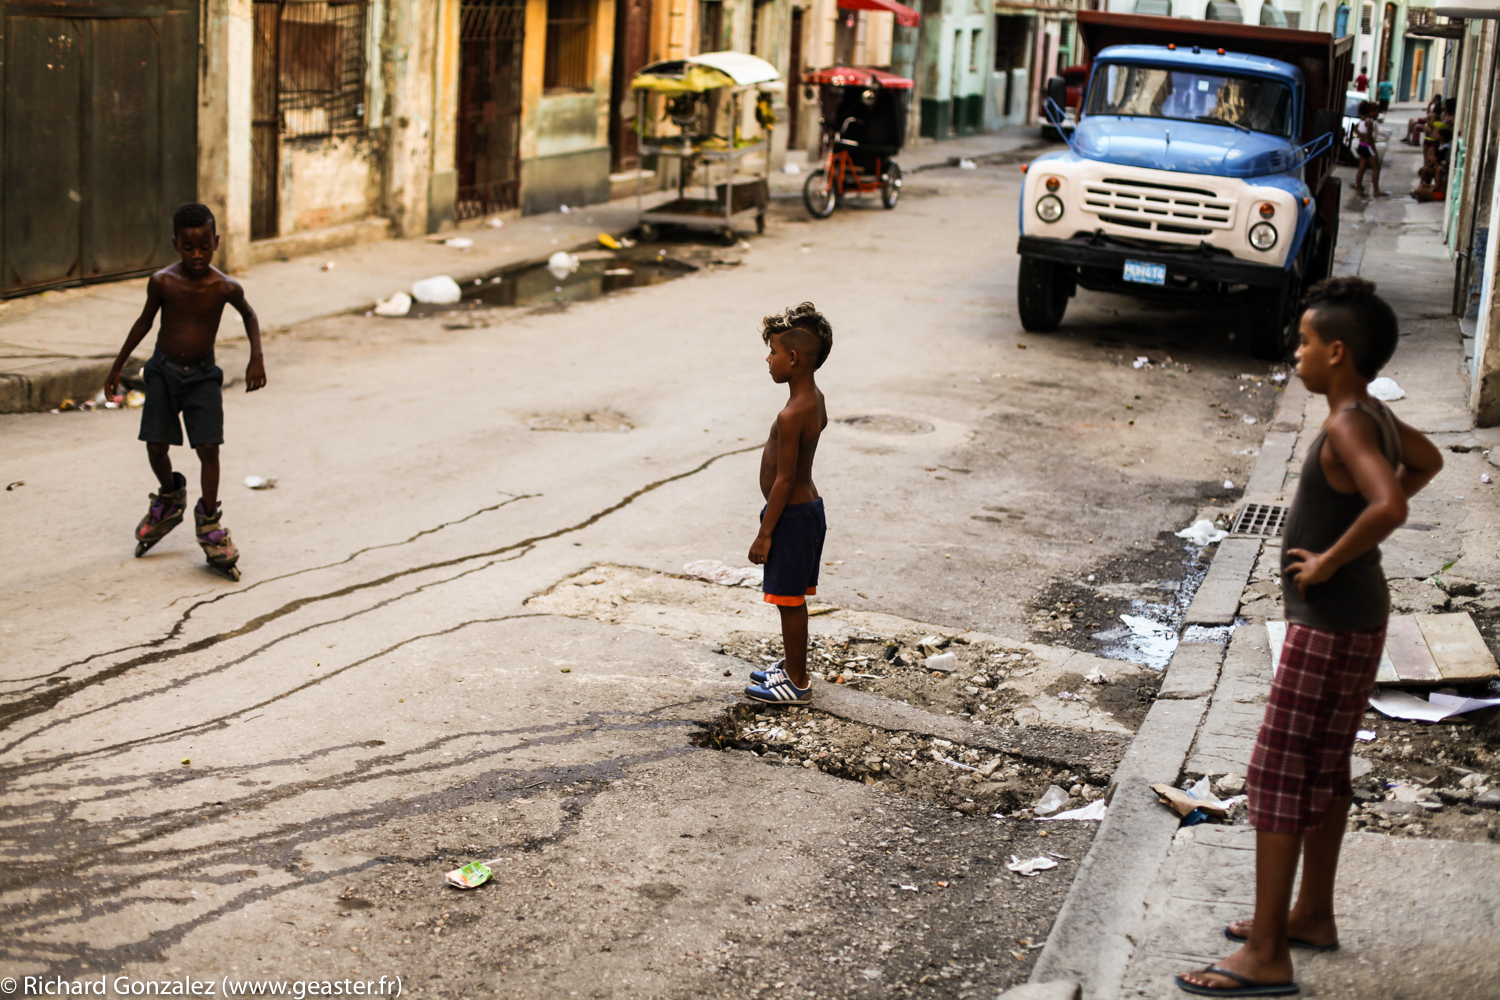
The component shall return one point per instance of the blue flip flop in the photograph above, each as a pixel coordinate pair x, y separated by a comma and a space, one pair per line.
1246, 988
1291, 942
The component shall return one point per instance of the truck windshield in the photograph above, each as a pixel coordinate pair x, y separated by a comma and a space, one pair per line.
1151, 92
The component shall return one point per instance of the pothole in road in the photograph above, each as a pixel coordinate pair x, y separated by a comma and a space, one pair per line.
888, 423
584, 422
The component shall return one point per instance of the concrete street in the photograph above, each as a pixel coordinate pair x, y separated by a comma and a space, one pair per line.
462, 635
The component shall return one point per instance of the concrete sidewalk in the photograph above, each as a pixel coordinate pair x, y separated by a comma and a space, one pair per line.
60, 344
1416, 916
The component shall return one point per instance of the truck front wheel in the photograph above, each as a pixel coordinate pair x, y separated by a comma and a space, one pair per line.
1042, 291
1271, 316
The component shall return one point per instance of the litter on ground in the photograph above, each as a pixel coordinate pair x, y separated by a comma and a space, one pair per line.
440, 290
1385, 389
1436, 707
1202, 533
713, 571
1030, 867
397, 305
1094, 810
459, 243
473, 875
260, 482
1052, 800
562, 264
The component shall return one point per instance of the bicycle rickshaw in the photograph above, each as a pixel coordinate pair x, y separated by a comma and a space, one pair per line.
864, 127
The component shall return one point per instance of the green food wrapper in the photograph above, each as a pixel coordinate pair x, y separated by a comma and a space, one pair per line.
471, 876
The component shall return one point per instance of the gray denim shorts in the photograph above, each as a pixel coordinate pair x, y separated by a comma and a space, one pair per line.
194, 393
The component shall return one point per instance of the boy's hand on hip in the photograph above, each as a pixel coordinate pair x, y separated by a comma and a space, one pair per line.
1307, 569
761, 550
255, 374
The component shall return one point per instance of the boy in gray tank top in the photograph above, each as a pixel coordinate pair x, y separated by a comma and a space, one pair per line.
1360, 471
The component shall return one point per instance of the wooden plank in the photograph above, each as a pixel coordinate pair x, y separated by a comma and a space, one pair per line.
1408, 652
1457, 647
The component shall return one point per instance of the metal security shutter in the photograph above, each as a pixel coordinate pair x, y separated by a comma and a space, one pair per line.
1161, 8
100, 138
1224, 10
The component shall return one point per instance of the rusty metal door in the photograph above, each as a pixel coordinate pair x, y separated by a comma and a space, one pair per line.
265, 121
100, 138
489, 106
632, 51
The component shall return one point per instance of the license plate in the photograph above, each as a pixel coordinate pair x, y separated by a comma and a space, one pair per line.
1145, 272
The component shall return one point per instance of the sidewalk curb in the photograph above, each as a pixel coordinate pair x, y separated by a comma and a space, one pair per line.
1096, 930
1020, 153
44, 387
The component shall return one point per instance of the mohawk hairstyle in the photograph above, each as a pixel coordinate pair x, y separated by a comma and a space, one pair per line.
1348, 310
802, 328
191, 216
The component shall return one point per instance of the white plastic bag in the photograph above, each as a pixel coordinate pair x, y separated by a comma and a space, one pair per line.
1202, 533
442, 291
397, 305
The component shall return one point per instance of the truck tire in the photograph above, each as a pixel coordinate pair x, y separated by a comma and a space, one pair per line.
1271, 316
1042, 291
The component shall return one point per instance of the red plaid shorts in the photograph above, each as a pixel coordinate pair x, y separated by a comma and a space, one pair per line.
1301, 757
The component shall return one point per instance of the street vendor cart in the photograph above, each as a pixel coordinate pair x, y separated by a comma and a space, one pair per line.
700, 91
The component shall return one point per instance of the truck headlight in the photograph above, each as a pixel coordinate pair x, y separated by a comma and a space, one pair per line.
1263, 236
1050, 208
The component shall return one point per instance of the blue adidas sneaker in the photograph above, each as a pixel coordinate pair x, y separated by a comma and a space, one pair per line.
779, 690
777, 669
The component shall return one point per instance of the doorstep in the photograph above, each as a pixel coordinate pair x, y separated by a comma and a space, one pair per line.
371, 230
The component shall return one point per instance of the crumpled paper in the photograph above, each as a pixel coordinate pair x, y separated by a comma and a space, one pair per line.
713, 571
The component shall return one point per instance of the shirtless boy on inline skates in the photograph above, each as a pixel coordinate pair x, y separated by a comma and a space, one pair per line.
182, 380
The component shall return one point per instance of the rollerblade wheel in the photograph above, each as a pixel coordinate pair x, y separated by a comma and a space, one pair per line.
233, 572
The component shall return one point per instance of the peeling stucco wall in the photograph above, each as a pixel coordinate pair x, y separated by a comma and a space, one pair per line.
329, 180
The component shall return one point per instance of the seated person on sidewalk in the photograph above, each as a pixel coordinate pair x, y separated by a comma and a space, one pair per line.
1439, 133
1425, 190
1417, 126
1359, 473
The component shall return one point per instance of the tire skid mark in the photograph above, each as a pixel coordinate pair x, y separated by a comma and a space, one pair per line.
42, 701
280, 849
32, 765
221, 595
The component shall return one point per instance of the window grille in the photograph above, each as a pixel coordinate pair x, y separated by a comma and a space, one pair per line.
320, 70
1293, 19
1366, 17
567, 52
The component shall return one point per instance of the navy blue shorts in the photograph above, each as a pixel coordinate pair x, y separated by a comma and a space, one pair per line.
195, 393
796, 550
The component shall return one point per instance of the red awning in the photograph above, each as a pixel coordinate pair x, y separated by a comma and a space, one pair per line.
905, 16
857, 76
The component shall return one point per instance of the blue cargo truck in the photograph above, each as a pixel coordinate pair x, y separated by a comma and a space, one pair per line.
1200, 169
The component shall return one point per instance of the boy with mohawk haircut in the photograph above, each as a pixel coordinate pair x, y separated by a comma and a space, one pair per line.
792, 525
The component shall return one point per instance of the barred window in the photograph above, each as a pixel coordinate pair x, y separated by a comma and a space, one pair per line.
321, 67
1366, 16
567, 53
1293, 19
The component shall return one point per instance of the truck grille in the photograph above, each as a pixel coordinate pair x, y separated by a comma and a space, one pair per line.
1166, 208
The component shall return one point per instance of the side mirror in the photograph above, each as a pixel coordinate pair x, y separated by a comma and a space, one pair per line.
1057, 92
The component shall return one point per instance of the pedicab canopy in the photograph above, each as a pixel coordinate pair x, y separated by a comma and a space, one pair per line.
905, 16
856, 76
708, 71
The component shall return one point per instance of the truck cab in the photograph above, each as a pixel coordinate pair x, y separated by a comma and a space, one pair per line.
1195, 171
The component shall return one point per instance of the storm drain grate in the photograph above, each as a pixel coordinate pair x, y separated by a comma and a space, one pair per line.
1263, 520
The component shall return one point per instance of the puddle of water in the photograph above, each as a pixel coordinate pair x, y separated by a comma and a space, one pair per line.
599, 273
1152, 636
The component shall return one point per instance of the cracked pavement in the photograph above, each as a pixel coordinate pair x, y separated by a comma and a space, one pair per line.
268, 779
